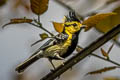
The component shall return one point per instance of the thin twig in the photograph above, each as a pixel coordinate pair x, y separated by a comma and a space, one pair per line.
110, 48
108, 60
81, 55
36, 42
42, 28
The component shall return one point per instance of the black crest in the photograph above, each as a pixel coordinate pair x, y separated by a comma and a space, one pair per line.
71, 17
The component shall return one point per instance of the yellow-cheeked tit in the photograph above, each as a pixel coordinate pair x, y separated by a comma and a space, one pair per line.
59, 47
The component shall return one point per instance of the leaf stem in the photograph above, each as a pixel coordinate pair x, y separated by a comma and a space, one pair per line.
108, 60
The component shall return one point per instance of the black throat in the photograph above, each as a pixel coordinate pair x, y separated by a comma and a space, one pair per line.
73, 45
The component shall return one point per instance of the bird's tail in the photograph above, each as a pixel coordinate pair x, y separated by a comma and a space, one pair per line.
21, 67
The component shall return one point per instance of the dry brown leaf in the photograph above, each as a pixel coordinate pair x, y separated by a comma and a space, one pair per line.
104, 53
39, 6
116, 19
18, 20
58, 27
107, 24
110, 22
94, 20
102, 70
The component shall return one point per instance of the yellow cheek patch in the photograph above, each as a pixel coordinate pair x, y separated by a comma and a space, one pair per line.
70, 29
59, 27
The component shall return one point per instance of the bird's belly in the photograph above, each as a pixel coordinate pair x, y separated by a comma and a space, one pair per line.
51, 51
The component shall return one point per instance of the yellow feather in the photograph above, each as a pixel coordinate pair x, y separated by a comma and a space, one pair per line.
58, 27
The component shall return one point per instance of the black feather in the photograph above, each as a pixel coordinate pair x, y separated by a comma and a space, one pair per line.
72, 17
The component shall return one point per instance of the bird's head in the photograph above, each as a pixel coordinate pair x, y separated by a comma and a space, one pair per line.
71, 24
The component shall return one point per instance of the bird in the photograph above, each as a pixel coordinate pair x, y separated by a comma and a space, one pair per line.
59, 47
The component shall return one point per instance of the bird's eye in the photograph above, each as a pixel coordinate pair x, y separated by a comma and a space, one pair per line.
74, 24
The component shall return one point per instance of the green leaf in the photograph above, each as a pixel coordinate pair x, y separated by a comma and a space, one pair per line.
44, 36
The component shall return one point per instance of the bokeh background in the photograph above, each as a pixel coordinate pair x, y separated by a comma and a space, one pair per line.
15, 40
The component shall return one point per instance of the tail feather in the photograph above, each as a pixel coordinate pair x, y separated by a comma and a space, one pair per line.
21, 67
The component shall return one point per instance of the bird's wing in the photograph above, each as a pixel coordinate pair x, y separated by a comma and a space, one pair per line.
58, 39
49, 43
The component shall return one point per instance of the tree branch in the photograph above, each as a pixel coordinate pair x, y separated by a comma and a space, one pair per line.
39, 26
81, 55
93, 54
113, 62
